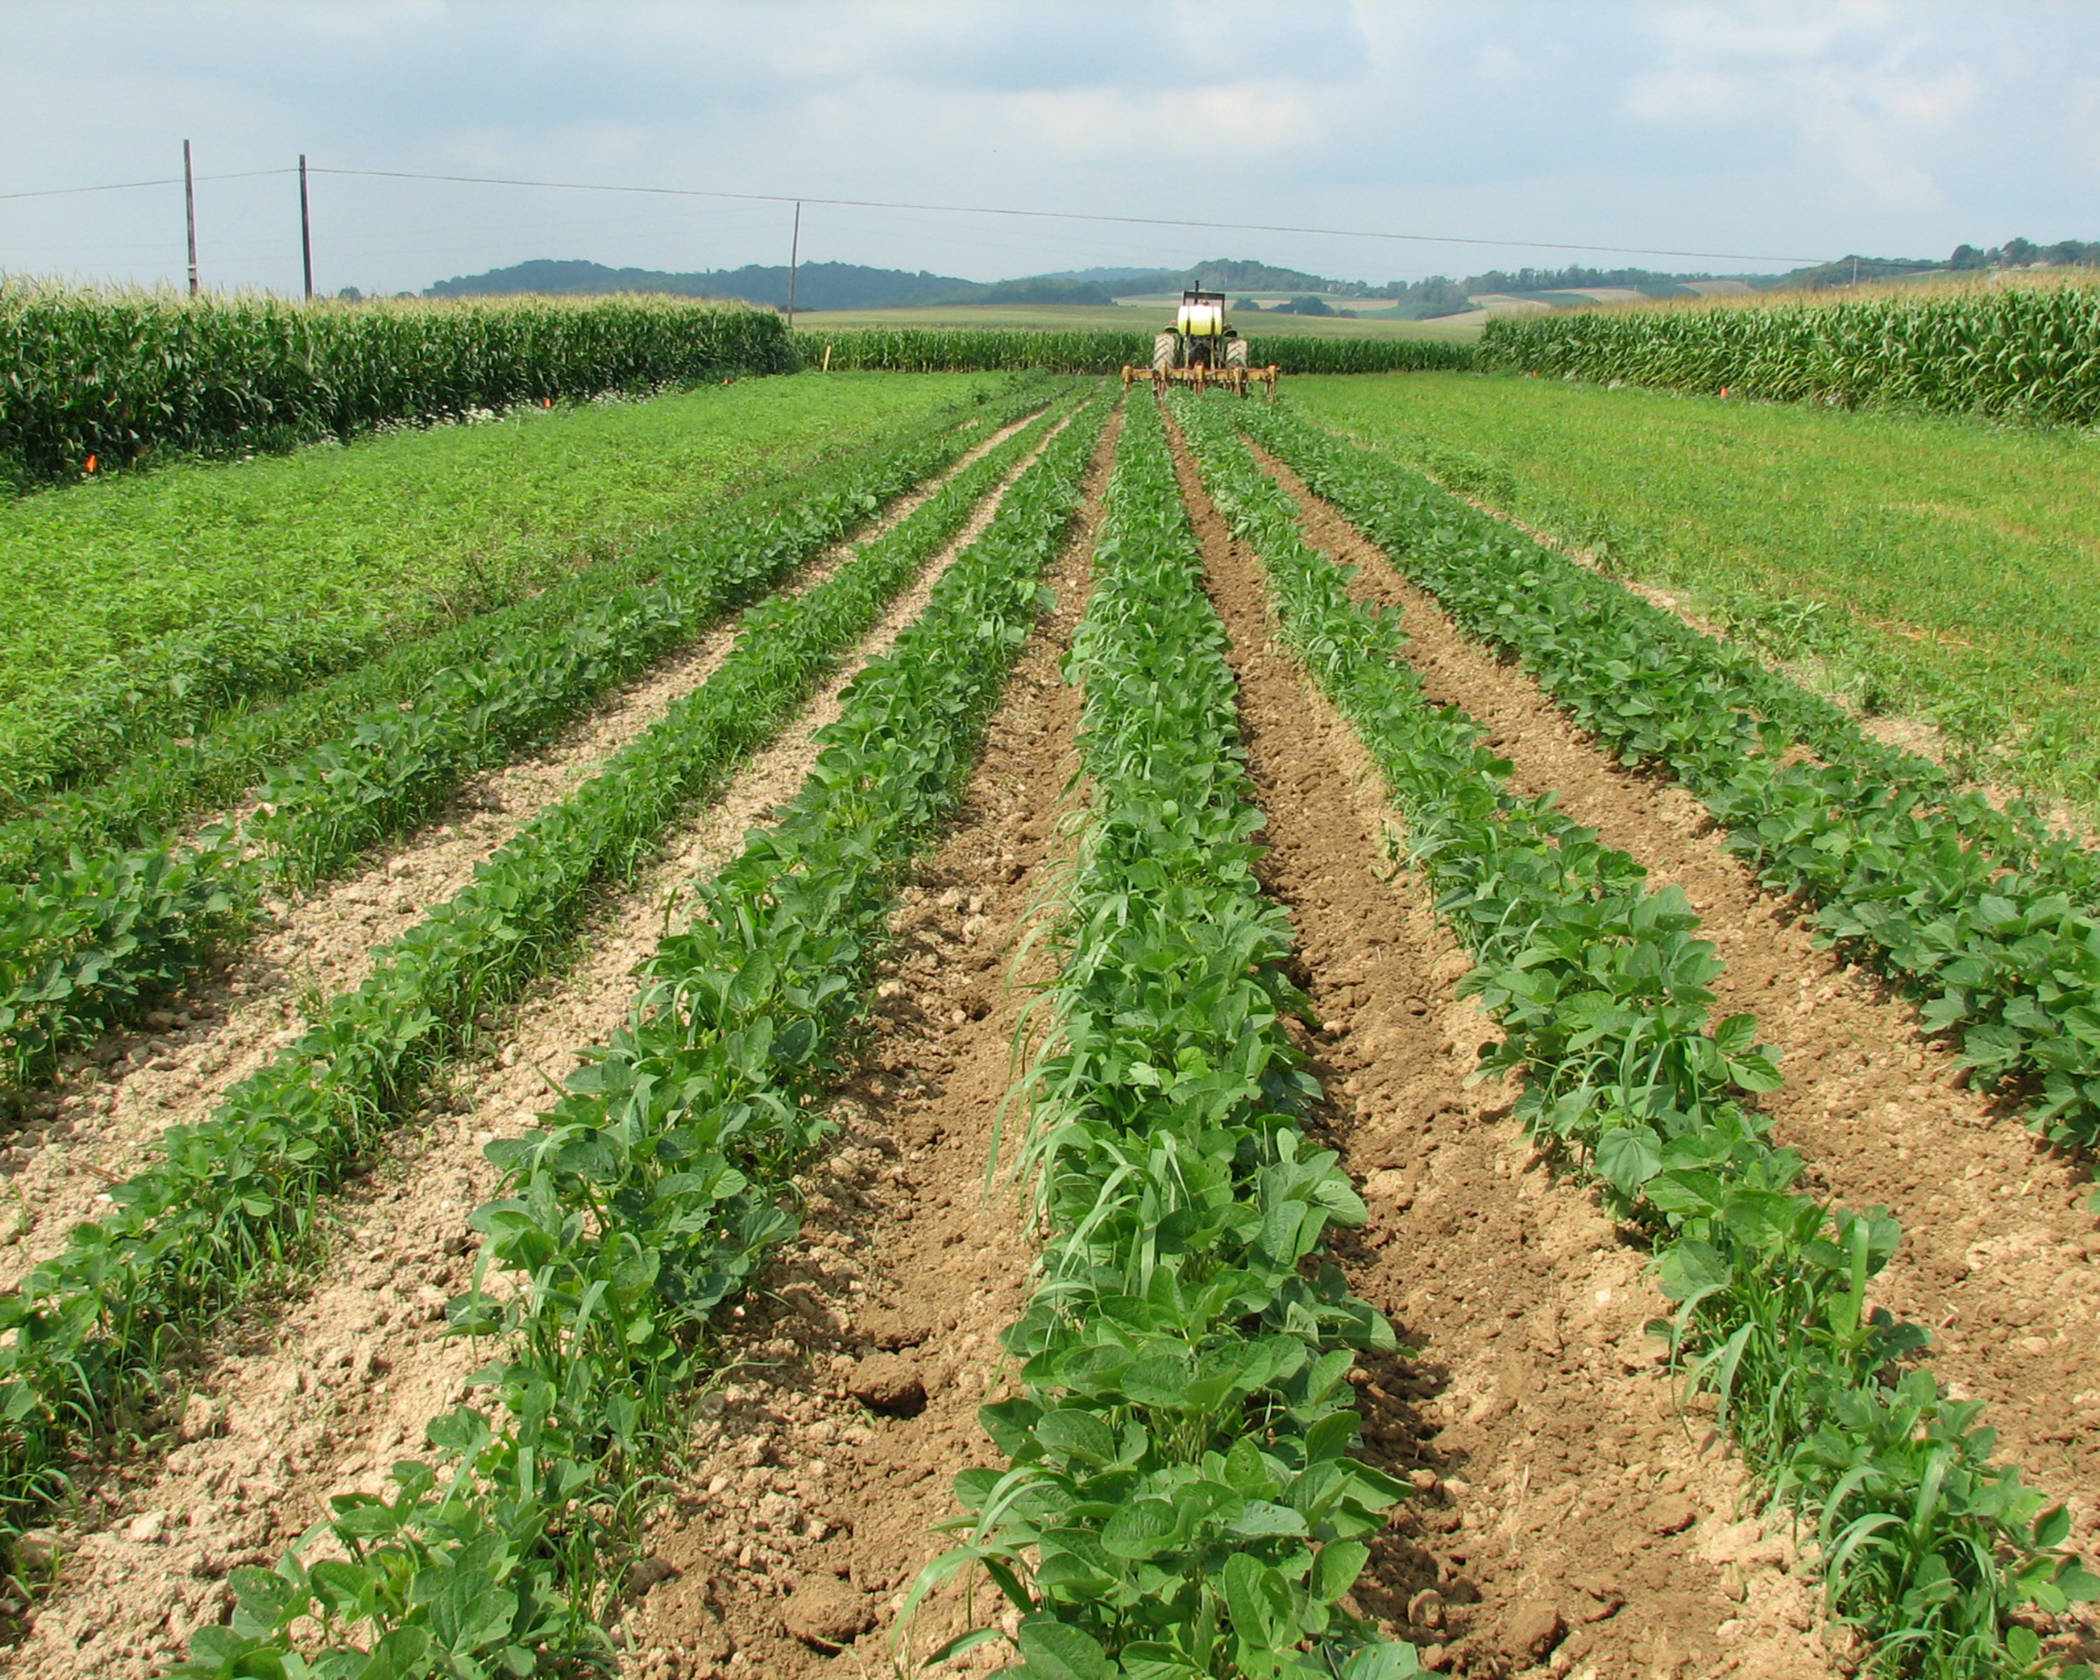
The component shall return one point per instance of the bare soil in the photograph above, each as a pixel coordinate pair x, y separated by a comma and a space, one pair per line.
1566, 1518
319, 1393
2001, 1250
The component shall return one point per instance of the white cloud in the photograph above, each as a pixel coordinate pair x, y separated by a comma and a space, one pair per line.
1218, 125
1852, 98
1740, 125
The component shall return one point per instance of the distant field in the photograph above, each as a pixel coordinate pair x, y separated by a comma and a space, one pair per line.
1939, 567
1506, 303
1358, 306
1129, 317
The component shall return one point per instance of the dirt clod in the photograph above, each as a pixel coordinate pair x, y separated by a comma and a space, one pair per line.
646, 1572
1673, 1515
825, 1612
202, 1418
890, 1332
890, 1384
1535, 1629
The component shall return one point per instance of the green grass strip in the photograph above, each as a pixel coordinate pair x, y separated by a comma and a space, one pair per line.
1928, 1547
1983, 915
91, 942
659, 1183
1180, 1503
134, 611
93, 1327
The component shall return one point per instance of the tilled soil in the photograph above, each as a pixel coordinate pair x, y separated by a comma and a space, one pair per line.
331, 1390
1566, 1518
821, 1465
2001, 1249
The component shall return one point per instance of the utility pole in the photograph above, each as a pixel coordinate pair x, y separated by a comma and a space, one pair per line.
306, 231
794, 261
189, 212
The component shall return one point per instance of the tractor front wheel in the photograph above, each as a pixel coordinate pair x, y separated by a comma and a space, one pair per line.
1235, 352
1165, 351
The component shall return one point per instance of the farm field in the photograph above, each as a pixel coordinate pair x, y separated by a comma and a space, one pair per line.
1121, 317
206, 581
1939, 568
1095, 1031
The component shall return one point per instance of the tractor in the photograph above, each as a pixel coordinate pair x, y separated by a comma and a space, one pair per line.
1200, 349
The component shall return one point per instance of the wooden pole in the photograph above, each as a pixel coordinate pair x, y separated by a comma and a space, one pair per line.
189, 212
306, 231
794, 260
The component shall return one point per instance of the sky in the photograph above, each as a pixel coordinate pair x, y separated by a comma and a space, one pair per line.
1758, 133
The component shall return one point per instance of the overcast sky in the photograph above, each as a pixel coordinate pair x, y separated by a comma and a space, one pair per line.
1779, 131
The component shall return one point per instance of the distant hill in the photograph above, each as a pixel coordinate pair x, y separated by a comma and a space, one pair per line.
817, 285
824, 285
851, 286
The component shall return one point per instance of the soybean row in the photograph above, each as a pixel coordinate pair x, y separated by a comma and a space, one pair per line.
656, 1186
236, 1194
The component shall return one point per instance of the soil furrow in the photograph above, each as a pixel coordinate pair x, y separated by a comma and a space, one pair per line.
139, 1084
1566, 1518
322, 1396
821, 1466
2001, 1251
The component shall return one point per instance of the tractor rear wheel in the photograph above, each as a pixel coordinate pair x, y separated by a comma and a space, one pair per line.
1235, 352
1165, 351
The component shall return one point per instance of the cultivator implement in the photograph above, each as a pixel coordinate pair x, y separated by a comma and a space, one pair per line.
1235, 378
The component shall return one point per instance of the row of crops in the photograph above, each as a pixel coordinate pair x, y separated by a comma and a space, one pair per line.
1183, 1490
1985, 915
1601, 989
1180, 1500
1101, 350
2031, 352
232, 1194
115, 376
651, 1192
103, 912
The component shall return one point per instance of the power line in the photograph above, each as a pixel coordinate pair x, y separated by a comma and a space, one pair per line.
1063, 216
942, 209
126, 186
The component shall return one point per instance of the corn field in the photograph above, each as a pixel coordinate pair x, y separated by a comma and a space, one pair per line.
2028, 352
119, 375
1099, 350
